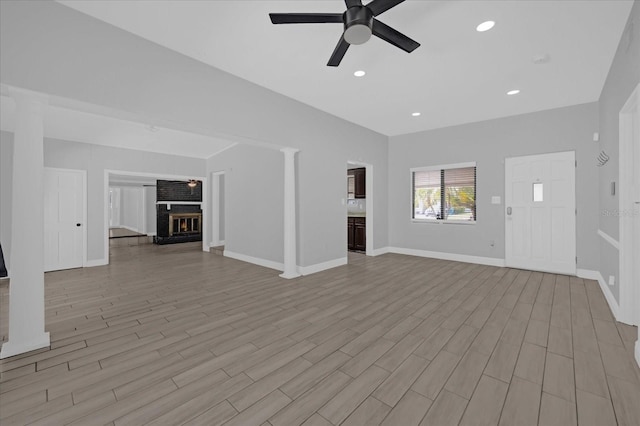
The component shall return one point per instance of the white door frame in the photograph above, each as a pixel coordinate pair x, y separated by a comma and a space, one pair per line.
204, 205
506, 223
629, 210
369, 204
215, 209
83, 173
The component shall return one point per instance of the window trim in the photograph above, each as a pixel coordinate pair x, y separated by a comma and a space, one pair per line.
412, 170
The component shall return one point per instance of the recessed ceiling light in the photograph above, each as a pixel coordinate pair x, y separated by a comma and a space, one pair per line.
485, 26
415, 114
359, 73
513, 92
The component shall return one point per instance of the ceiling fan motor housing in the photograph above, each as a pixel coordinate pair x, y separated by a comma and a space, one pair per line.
358, 24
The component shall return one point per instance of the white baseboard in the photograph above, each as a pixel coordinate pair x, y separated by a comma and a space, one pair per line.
9, 348
491, 261
96, 262
597, 276
255, 260
318, 267
216, 244
380, 251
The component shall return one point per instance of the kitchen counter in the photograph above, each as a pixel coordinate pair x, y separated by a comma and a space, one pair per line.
356, 215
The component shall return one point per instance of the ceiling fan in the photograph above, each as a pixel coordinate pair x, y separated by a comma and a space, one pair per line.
359, 23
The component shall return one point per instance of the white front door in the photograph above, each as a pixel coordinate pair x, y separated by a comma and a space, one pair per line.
540, 212
63, 219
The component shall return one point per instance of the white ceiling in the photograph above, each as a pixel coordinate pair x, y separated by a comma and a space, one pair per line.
456, 76
74, 125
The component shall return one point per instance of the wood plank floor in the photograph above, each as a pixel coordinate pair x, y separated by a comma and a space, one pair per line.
169, 335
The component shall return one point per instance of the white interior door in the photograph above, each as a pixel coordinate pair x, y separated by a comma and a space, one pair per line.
540, 212
629, 217
63, 219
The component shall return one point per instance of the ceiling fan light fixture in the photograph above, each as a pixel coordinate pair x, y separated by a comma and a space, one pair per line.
357, 34
358, 25
192, 183
485, 26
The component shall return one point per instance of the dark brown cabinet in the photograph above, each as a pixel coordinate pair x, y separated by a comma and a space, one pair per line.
357, 183
360, 182
356, 233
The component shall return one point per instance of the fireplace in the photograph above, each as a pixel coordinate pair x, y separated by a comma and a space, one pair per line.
179, 212
184, 224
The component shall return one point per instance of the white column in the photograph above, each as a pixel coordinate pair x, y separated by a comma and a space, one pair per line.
26, 288
215, 209
290, 267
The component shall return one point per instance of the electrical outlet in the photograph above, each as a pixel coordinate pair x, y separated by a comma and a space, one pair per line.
612, 280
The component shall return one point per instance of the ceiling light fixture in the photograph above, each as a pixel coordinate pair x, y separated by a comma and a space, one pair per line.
513, 92
415, 114
359, 73
192, 184
485, 26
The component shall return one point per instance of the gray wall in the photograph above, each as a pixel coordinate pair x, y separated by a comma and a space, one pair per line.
6, 178
622, 79
131, 207
254, 205
150, 209
74, 56
95, 159
488, 143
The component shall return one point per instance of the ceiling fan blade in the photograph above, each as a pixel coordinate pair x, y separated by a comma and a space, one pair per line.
351, 3
394, 37
380, 6
338, 53
305, 18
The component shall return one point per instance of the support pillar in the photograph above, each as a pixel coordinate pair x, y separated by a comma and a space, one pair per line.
26, 287
290, 264
216, 206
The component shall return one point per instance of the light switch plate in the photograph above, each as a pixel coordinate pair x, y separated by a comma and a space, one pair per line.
495, 199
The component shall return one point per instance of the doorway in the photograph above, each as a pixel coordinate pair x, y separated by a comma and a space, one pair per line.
143, 187
64, 219
359, 207
540, 216
629, 217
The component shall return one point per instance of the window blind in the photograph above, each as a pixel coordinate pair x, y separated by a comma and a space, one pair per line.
445, 194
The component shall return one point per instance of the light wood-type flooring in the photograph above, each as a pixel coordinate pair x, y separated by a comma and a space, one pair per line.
169, 335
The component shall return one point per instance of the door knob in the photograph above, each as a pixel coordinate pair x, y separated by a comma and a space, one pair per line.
509, 211
78, 224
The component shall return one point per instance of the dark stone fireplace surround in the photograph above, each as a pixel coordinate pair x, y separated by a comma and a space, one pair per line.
174, 192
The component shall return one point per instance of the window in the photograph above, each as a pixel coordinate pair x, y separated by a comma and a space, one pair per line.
444, 193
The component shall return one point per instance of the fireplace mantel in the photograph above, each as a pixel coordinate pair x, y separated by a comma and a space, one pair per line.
184, 203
